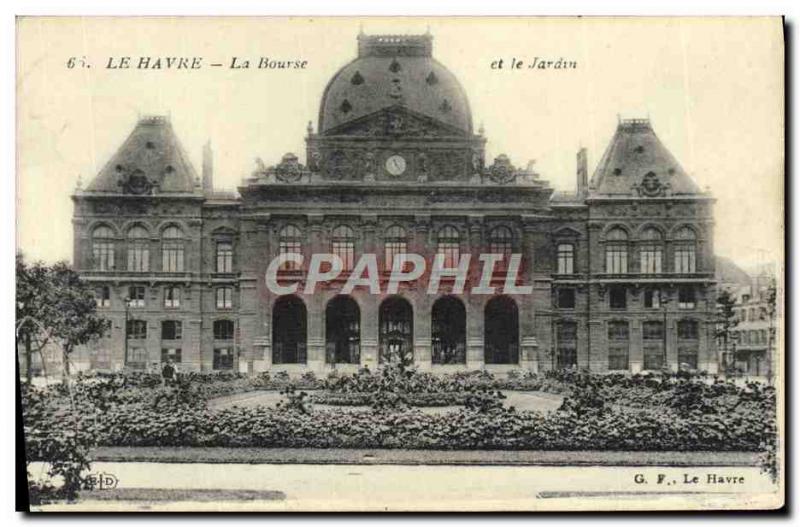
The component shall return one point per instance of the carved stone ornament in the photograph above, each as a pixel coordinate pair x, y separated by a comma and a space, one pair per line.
289, 169
651, 186
134, 181
502, 171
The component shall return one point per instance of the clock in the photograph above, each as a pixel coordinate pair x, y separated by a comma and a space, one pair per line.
395, 165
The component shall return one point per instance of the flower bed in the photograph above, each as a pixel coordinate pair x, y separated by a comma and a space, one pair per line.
696, 416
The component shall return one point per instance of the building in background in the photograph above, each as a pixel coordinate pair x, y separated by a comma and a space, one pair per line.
752, 350
622, 269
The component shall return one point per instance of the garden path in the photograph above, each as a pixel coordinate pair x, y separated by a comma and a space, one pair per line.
537, 401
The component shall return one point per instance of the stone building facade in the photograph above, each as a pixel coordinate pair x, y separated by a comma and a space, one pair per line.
620, 273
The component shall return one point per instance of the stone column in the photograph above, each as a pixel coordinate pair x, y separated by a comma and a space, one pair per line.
369, 303
315, 314
635, 350
417, 294
475, 325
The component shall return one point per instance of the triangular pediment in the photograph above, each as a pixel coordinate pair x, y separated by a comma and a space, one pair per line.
396, 121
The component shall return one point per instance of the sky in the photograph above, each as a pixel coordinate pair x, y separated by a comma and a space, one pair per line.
712, 88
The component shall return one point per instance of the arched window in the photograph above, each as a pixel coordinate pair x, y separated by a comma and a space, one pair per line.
616, 251
449, 245
343, 246
566, 258
501, 241
172, 250
342, 331
395, 242
290, 242
103, 248
688, 343
650, 250
396, 330
289, 331
138, 249
618, 345
685, 251
501, 331
449, 331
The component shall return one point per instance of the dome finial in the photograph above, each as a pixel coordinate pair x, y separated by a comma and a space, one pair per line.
361, 29
309, 128
480, 129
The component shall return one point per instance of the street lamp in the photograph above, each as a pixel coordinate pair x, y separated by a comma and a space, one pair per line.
127, 301
664, 302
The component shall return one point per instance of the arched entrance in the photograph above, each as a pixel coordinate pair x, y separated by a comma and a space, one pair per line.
289, 331
501, 331
342, 331
396, 332
448, 331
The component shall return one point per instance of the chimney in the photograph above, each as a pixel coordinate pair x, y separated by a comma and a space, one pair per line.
583, 174
208, 168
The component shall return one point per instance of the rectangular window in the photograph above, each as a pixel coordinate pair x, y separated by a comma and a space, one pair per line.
346, 251
172, 296
566, 259
653, 330
650, 259
224, 298
618, 297
171, 330
138, 256
103, 255
652, 298
171, 353
653, 357
616, 259
223, 330
685, 259
137, 356
618, 357
136, 294
223, 359
566, 298
686, 298
102, 296
618, 345
172, 257
567, 347
137, 329
687, 357
688, 330
224, 257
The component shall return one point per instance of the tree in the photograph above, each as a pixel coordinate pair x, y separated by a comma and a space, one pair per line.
726, 318
55, 305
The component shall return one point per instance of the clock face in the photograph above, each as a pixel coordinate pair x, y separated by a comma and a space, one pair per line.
396, 165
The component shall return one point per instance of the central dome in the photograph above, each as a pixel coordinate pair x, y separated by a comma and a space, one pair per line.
394, 70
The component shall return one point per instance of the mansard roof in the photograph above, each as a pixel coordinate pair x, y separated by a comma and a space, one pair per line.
636, 163
150, 161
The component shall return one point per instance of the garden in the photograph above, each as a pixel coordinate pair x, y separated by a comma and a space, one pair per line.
388, 409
